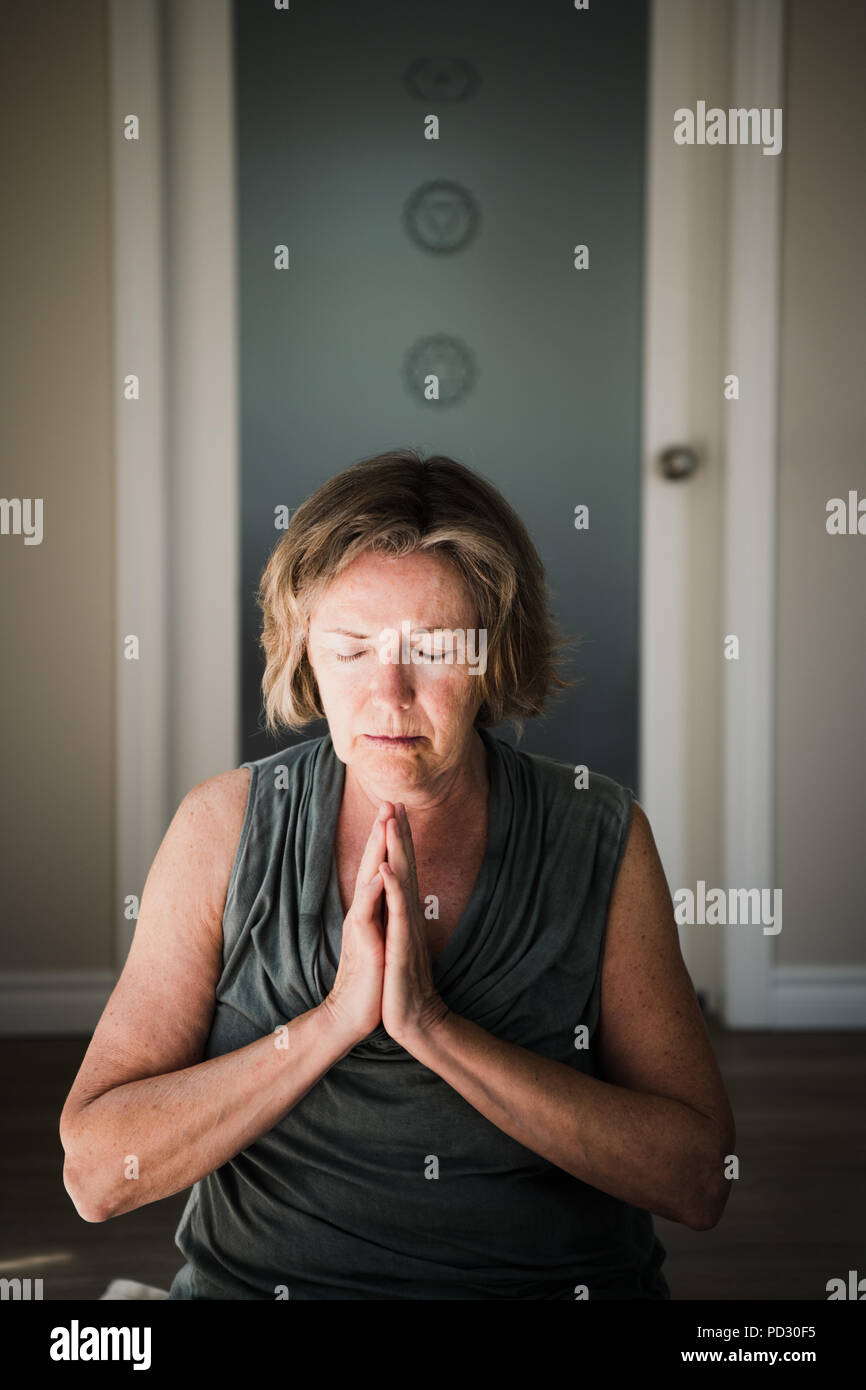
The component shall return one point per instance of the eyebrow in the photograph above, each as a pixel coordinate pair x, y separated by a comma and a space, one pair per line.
362, 636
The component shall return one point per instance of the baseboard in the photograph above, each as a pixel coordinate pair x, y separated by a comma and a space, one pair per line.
70, 1002
831, 998
53, 1003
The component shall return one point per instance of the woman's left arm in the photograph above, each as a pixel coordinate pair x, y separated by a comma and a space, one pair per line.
655, 1133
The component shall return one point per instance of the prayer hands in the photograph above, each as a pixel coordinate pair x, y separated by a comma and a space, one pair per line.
410, 1001
384, 973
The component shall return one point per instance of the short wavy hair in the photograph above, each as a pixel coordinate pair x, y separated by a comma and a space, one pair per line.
398, 503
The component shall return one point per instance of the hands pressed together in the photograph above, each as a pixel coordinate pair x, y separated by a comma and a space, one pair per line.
384, 975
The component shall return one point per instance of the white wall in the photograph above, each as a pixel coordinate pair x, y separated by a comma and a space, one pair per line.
62, 932
821, 686
56, 428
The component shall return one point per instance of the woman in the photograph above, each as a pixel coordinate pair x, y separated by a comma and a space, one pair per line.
405, 1004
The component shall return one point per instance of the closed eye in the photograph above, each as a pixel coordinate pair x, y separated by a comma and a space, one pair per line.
419, 655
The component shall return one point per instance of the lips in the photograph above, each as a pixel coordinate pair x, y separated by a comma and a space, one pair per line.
393, 738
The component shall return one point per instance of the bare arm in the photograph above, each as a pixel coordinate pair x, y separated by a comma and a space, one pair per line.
142, 1089
655, 1133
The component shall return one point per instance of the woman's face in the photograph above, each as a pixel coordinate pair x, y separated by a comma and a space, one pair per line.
373, 647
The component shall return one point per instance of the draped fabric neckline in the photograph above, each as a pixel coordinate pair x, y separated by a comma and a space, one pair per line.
320, 893
332, 1201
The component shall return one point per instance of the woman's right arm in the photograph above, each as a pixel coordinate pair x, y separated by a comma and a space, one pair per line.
146, 1117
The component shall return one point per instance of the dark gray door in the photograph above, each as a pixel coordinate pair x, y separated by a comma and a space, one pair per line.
454, 255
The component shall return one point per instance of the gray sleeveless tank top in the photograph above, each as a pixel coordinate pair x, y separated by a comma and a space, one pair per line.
340, 1200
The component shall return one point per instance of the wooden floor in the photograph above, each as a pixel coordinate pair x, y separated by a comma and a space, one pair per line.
796, 1215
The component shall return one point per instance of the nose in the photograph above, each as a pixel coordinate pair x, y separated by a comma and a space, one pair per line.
392, 685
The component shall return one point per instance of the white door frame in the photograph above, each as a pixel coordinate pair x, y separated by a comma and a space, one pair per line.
751, 513
177, 502
690, 49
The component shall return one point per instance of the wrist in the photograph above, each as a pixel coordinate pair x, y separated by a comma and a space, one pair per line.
338, 1028
433, 1024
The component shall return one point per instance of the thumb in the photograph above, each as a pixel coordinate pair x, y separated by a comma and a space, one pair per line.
366, 896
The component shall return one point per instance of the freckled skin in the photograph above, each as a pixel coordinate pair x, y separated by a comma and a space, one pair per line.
653, 1128
442, 780
438, 701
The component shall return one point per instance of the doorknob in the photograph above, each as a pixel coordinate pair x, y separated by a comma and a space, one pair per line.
678, 461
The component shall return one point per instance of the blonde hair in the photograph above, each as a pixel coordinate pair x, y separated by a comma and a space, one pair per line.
398, 503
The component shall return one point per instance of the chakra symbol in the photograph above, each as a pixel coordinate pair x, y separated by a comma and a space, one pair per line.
448, 358
441, 216
445, 79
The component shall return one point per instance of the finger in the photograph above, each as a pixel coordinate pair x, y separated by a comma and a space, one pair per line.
396, 853
402, 818
398, 910
364, 906
374, 849
397, 856
386, 809
367, 893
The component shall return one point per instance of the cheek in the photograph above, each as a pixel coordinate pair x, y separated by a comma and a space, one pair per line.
448, 691
332, 691
341, 687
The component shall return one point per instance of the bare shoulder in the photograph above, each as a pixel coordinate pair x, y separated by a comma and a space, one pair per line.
652, 1034
219, 803
222, 797
641, 868
189, 877
157, 1018
209, 820
641, 942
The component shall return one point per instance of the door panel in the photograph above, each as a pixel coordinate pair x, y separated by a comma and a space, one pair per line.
541, 148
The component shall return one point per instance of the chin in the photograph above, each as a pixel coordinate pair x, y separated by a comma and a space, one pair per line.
396, 762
